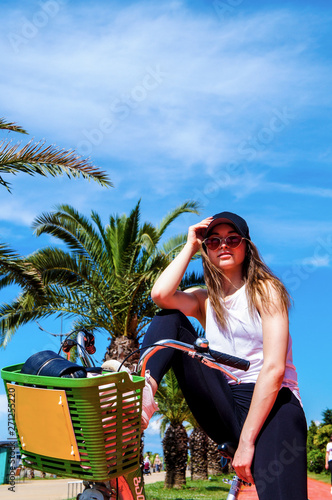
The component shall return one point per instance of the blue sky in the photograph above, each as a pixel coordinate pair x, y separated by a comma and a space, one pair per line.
225, 102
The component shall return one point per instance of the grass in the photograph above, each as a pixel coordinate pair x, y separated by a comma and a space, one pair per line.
214, 488
325, 477
204, 490
39, 478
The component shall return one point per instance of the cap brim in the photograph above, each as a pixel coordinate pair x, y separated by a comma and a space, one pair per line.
216, 222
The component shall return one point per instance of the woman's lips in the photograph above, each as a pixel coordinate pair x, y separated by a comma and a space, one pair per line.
224, 254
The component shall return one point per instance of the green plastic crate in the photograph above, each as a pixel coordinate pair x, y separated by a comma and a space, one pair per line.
105, 412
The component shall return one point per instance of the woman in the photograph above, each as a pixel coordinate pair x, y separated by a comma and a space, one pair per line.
244, 311
157, 463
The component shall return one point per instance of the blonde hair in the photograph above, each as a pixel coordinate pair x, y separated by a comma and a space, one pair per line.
256, 275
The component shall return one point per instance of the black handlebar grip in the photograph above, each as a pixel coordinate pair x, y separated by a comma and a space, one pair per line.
228, 360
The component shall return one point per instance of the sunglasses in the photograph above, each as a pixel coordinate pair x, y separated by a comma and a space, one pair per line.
214, 242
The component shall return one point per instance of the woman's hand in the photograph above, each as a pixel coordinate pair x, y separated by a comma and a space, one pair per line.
242, 462
165, 291
196, 233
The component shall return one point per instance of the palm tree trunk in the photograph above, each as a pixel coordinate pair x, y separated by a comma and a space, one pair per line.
175, 447
198, 452
213, 457
120, 348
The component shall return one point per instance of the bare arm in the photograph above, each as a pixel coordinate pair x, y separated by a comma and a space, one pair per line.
165, 291
326, 459
275, 343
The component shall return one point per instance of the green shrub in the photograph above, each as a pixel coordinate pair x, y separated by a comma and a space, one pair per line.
316, 461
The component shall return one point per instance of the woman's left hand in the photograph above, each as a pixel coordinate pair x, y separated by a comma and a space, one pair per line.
242, 462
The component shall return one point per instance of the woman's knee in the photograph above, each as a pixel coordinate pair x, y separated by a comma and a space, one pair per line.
175, 319
170, 313
170, 324
165, 324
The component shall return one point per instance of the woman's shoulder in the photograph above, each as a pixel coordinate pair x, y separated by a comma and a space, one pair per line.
198, 291
271, 296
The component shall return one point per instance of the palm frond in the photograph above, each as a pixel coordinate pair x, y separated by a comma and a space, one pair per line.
16, 270
6, 252
149, 237
102, 230
174, 245
192, 279
13, 316
4, 125
171, 402
191, 207
34, 158
131, 228
73, 228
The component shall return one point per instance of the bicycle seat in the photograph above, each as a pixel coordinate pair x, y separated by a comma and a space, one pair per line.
227, 450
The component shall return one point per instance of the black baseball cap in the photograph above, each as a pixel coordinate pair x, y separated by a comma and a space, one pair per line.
229, 218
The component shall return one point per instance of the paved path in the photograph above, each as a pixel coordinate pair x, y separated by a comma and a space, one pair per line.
319, 490
52, 489
316, 491
57, 489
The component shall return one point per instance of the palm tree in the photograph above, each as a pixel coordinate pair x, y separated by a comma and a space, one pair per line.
36, 158
103, 281
204, 453
174, 410
33, 159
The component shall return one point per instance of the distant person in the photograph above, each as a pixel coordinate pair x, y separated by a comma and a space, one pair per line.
328, 458
147, 465
157, 463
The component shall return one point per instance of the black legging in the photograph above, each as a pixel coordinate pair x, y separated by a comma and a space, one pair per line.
330, 469
279, 466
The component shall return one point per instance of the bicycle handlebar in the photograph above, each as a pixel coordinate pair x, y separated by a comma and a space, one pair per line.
209, 357
80, 339
229, 360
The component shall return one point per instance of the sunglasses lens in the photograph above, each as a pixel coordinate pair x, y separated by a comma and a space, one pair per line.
212, 243
233, 241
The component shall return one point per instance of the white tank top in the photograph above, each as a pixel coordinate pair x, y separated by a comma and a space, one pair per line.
244, 338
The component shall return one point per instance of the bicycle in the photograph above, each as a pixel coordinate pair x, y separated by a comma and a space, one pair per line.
90, 428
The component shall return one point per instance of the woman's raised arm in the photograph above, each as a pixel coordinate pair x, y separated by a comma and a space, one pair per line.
165, 291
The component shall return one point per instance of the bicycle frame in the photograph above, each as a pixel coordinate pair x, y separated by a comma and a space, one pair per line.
195, 353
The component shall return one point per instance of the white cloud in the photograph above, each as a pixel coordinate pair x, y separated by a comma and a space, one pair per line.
306, 191
215, 81
219, 90
293, 231
154, 427
16, 211
315, 262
